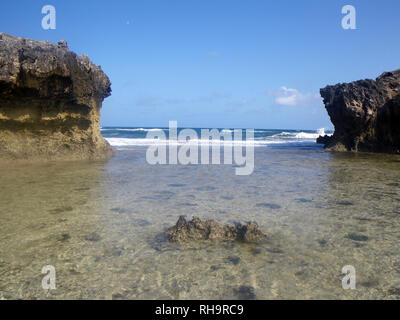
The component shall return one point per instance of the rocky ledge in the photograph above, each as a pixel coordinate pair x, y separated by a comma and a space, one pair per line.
50, 100
197, 229
365, 114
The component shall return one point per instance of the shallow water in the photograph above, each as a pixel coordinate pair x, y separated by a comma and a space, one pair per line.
100, 225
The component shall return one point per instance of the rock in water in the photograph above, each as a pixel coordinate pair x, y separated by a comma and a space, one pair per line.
365, 113
197, 229
50, 100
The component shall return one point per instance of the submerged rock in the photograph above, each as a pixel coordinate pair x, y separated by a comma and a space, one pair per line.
357, 237
233, 259
197, 229
365, 114
93, 237
245, 293
50, 100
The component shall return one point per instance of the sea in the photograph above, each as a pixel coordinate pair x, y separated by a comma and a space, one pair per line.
101, 224
131, 137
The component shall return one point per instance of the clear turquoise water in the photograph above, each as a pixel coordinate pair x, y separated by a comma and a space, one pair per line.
100, 225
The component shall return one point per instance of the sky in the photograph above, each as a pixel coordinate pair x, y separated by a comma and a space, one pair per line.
219, 63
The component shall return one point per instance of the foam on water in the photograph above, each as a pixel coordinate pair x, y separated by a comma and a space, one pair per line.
134, 129
117, 142
130, 137
302, 134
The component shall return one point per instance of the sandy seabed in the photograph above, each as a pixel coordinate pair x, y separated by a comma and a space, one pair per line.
100, 224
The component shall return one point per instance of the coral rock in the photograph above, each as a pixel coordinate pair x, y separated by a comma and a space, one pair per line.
50, 100
197, 229
365, 113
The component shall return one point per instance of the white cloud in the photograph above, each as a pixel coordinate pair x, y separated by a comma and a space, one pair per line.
292, 97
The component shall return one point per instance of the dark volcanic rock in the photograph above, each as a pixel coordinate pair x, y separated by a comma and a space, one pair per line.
197, 229
324, 139
50, 100
365, 113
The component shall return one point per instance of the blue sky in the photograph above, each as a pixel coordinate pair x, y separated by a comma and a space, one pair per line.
219, 63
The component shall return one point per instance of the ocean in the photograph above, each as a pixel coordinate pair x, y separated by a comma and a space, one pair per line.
133, 136
100, 224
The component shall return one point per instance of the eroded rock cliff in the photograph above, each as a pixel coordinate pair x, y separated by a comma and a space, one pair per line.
365, 113
50, 101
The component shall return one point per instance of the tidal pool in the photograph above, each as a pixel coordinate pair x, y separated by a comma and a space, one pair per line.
101, 226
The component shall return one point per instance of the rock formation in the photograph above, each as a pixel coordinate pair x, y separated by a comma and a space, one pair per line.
197, 229
365, 113
50, 100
